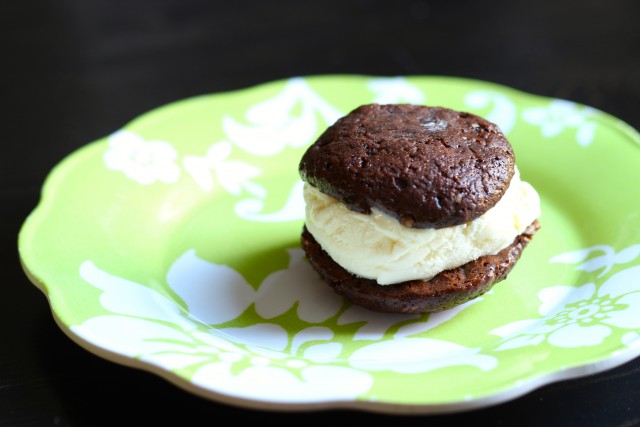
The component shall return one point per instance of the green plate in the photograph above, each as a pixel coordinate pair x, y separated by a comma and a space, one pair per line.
172, 245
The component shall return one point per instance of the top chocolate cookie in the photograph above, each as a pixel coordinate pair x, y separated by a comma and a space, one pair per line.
430, 167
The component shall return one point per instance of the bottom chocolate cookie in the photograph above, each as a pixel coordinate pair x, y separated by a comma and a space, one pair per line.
446, 290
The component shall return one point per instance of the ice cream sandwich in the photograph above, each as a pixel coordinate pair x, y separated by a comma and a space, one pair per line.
413, 208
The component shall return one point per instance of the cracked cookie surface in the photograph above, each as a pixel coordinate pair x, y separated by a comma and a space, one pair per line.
429, 167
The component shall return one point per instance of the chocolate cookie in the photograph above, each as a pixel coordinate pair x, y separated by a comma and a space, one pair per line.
429, 167
446, 290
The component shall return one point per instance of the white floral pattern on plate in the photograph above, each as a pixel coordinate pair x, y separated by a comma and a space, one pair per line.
561, 114
143, 161
149, 326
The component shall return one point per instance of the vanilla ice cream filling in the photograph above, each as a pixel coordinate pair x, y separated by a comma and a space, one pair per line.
378, 247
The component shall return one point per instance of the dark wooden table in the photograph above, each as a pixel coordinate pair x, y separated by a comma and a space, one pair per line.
76, 70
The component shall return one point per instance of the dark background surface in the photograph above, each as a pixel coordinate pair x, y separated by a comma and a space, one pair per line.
76, 70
